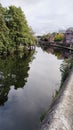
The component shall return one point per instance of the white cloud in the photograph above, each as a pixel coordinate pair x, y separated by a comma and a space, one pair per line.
45, 15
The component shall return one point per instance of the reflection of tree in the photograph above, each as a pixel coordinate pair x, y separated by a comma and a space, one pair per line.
13, 71
65, 54
60, 53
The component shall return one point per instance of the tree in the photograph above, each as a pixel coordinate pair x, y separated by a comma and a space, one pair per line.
14, 30
4, 31
19, 30
59, 37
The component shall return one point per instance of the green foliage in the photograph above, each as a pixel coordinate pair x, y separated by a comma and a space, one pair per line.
45, 37
58, 37
65, 69
43, 115
14, 30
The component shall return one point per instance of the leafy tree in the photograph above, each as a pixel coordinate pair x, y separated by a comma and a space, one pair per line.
4, 32
59, 37
19, 30
14, 30
45, 37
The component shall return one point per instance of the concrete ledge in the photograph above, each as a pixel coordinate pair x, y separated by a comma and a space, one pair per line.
60, 117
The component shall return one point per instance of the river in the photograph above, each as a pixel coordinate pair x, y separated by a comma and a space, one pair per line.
27, 87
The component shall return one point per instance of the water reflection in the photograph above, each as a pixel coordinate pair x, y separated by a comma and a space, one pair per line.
67, 63
59, 52
13, 71
23, 106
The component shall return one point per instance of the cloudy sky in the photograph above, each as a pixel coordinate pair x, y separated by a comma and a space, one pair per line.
45, 15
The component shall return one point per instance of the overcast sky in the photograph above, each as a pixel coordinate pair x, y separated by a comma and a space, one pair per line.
45, 15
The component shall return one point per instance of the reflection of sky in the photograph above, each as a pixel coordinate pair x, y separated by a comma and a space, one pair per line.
45, 15
24, 106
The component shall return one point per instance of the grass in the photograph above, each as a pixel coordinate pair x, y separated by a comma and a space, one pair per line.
43, 114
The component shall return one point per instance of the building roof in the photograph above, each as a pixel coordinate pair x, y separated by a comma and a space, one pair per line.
69, 30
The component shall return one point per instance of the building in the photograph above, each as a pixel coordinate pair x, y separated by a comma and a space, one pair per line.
69, 36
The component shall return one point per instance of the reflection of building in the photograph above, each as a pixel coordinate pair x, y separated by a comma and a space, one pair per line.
50, 50
60, 53
69, 36
51, 38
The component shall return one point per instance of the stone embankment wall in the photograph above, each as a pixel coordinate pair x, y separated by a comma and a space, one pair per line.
60, 116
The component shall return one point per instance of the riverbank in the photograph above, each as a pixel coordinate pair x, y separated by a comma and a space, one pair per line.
60, 116
60, 45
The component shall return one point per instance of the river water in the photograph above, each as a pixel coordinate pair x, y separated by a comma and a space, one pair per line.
27, 87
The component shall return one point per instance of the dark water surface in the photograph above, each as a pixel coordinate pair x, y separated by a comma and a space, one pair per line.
27, 87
